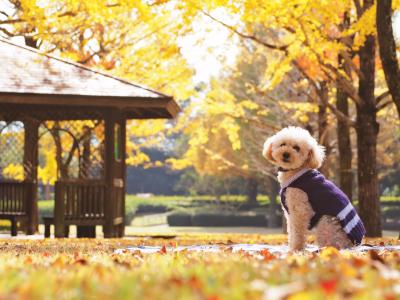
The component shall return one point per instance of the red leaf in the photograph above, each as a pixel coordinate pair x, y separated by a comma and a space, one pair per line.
267, 255
329, 286
163, 250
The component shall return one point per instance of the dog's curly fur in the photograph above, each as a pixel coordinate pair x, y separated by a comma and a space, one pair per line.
294, 149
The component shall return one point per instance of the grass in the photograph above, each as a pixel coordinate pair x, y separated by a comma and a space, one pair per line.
390, 198
177, 202
132, 201
89, 269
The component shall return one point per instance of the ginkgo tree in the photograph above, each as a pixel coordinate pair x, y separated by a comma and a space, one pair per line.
130, 39
227, 129
315, 30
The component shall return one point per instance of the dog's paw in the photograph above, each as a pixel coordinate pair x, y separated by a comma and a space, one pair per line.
295, 249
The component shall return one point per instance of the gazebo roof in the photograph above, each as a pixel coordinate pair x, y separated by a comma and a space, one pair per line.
34, 79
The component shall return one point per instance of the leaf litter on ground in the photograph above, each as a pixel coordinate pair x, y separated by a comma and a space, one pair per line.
196, 267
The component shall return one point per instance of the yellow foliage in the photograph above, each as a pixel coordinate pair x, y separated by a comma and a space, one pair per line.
132, 39
48, 173
139, 40
329, 253
365, 26
14, 171
179, 164
137, 159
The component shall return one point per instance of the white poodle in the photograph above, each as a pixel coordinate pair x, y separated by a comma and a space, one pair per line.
310, 201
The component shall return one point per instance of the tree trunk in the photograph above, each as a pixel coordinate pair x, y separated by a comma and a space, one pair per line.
343, 128
387, 49
47, 191
85, 163
252, 190
274, 219
368, 195
343, 136
367, 133
323, 134
62, 168
344, 145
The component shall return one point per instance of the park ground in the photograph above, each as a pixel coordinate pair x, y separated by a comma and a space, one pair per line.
91, 269
36, 268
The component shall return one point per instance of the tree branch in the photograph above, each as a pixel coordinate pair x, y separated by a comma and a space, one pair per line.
382, 97
8, 33
67, 14
247, 36
358, 7
346, 85
11, 21
347, 59
383, 105
341, 116
304, 73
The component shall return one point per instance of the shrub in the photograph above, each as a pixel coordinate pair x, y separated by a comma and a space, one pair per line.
179, 219
216, 219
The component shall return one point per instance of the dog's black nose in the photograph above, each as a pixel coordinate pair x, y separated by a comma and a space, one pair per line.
286, 155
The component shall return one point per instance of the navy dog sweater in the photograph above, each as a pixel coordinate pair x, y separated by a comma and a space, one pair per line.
326, 199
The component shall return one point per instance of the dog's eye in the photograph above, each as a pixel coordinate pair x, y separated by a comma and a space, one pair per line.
283, 144
297, 148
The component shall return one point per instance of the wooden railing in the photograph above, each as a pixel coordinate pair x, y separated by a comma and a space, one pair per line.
81, 202
14, 197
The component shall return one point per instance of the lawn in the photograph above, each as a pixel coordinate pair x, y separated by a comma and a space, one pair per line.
89, 269
171, 203
132, 202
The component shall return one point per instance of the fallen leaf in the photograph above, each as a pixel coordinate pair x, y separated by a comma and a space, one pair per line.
163, 250
267, 255
375, 256
329, 286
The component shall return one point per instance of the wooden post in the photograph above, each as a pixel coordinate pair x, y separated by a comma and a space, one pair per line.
31, 137
121, 227
115, 132
109, 169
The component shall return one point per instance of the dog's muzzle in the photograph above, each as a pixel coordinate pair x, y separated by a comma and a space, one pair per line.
286, 156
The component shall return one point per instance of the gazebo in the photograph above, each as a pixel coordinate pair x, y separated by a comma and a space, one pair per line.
84, 111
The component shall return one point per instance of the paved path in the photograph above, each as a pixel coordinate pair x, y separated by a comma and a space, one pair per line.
250, 248
167, 230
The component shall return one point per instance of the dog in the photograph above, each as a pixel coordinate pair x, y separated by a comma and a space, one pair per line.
309, 201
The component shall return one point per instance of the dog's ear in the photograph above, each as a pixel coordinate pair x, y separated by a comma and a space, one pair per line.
267, 150
316, 156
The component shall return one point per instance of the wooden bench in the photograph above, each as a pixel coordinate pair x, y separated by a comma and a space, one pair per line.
82, 231
48, 221
15, 204
14, 218
84, 203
